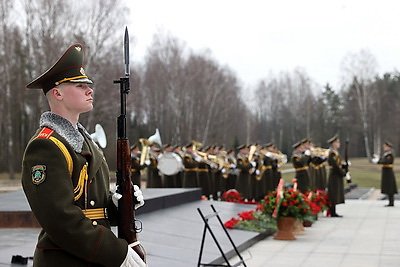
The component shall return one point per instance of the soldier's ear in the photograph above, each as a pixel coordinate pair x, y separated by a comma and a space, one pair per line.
55, 93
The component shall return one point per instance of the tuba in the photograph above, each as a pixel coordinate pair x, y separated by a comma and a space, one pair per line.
99, 136
155, 138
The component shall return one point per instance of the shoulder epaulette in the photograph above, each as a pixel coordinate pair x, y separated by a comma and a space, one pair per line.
45, 133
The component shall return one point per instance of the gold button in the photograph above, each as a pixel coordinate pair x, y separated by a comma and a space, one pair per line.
92, 203
94, 223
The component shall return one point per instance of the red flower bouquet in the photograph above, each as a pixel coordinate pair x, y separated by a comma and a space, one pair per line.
292, 203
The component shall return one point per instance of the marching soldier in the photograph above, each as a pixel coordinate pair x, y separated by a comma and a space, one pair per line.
65, 176
388, 179
300, 164
336, 175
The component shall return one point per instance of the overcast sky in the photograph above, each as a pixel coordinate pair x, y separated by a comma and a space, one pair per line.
256, 37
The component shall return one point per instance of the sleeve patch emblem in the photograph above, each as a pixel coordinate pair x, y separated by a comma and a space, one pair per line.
38, 174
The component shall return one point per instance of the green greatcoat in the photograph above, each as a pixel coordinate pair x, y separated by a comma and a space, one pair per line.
335, 180
243, 181
68, 237
388, 181
300, 164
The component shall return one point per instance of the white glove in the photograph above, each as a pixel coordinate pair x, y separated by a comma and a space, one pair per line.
115, 197
253, 163
375, 159
223, 170
348, 176
147, 162
137, 193
233, 166
269, 155
307, 152
132, 259
348, 163
139, 196
257, 172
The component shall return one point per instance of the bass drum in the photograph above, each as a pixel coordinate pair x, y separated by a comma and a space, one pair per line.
170, 163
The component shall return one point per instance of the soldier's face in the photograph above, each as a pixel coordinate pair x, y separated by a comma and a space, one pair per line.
77, 97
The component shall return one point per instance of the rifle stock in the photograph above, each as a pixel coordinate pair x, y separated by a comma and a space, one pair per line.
126, 211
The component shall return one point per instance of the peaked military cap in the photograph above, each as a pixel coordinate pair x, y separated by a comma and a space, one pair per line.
167, 145
297, 144
69, 68
388, 144
242, 146
269, 144
333, 139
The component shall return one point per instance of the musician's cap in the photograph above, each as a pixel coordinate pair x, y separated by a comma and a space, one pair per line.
229, 151
305, 140
269, 144
188, 145
166, 145
297, 144
175, 146
333, 139
242, 146
134, 146
69, 68
388, 144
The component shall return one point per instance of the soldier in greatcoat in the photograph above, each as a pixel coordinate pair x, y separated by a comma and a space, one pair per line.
300, 164
191, 166
388, 179
135, 165
243, 165
65, 177
337, 173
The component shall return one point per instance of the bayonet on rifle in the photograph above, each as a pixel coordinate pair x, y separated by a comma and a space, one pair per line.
126, 211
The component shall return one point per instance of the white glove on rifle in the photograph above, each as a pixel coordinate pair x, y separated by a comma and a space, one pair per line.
348, 176
139, 196
375, 159
132, 259
136, 192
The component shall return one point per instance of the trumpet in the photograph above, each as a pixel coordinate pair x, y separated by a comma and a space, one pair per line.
279, 156
319, 152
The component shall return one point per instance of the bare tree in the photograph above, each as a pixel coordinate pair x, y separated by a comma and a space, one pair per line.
359, 69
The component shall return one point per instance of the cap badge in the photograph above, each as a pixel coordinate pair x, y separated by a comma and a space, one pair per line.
82, 71
78, 48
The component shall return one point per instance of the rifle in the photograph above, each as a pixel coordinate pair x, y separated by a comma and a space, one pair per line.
126, 212
346, 160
